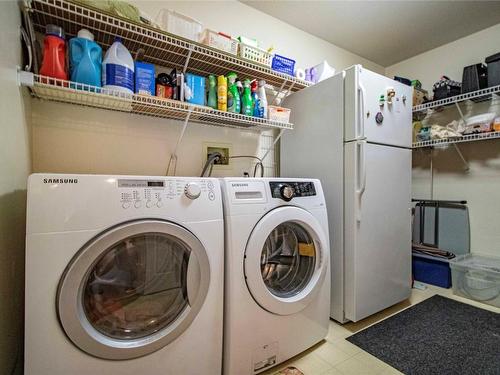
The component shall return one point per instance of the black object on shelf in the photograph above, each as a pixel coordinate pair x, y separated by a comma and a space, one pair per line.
493, 62
475, 77
404, 81
446, 88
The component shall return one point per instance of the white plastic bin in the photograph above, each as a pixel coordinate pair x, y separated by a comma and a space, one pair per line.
179, 24
476, 277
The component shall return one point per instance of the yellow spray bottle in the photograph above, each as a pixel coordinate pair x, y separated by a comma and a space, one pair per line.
222, 93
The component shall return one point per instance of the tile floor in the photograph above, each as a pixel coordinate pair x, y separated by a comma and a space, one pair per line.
337, 356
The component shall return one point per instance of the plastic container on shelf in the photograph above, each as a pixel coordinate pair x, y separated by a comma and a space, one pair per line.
476, 277
283, 64
220, 41
479, 124
54, 53
118, 68
255, 54
179, 24
279, 114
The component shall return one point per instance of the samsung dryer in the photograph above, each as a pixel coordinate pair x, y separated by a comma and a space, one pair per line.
277, 271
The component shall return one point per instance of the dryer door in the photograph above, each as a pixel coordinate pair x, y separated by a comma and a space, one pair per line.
133, 289
286, 260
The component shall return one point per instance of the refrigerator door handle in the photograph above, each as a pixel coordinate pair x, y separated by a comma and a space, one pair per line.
361, 114
360, 176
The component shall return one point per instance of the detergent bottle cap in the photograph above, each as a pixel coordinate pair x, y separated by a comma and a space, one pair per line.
55, 30
231, 77
85, 34
253, 86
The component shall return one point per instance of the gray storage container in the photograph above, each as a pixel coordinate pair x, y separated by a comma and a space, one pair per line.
476, 277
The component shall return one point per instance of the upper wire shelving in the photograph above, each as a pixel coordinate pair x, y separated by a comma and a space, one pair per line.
161, 48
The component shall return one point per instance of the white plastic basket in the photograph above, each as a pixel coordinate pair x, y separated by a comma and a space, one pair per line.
255, 54
179, 24
279, 114
219, 41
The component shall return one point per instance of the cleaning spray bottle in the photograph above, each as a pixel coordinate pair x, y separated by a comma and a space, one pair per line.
246, 100
263, 106
255, 99
233, 96
222, 93
212, 92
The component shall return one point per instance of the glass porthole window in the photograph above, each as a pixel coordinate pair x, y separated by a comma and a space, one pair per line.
288, 260
138, 286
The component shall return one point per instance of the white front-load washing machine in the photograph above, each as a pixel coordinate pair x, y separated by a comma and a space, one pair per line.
124, 275
277, 272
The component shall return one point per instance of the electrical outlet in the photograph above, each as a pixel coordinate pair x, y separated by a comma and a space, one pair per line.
224, 149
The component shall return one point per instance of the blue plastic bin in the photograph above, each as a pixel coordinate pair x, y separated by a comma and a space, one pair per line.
283, 64
431, 270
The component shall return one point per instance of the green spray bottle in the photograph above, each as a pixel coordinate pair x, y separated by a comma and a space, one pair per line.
212, 92
246, 99
233, 96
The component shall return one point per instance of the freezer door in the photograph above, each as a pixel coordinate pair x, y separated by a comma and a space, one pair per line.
367, 117
377, 232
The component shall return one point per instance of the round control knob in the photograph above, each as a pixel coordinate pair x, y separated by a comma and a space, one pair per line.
149, 204
192, 190
137, 204
287, 192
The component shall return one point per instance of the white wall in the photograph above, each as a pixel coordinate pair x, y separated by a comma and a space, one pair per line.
14, 169
73, 139
481, 184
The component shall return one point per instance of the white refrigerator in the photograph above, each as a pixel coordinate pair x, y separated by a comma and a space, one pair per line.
353, 132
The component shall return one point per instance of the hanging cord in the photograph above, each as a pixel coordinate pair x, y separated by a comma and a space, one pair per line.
257, 165
216, 156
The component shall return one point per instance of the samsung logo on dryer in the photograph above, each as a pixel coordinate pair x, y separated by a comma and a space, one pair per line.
239, 185
60, 180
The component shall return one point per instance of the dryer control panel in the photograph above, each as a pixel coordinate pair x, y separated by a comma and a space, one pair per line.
287, 190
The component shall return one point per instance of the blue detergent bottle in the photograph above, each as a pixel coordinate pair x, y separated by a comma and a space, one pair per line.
85, 59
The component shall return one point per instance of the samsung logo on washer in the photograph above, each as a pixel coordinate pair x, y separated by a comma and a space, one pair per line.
239, 185
60, 180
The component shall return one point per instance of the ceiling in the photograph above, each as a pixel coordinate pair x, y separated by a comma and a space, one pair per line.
385, 32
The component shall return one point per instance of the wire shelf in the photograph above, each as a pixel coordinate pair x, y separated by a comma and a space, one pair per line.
457, 98
77, 93
465, 138
160, 47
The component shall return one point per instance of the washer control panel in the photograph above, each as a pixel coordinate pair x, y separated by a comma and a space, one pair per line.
156, 193
287, 190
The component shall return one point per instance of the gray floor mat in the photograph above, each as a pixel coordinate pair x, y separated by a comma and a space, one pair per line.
437, 336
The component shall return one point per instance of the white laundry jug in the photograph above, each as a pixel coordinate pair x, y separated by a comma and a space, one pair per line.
118, 68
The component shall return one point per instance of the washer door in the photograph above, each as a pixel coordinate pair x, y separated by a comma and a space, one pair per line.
133, 289
285, 260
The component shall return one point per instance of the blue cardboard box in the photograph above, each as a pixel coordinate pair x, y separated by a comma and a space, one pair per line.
144, 78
